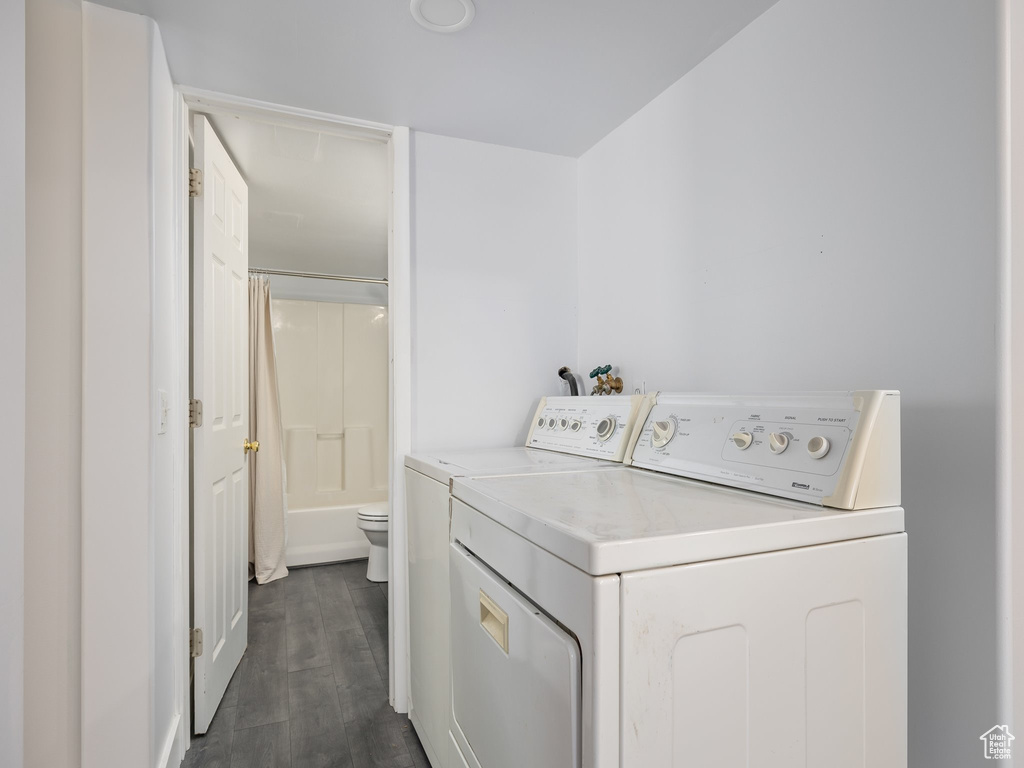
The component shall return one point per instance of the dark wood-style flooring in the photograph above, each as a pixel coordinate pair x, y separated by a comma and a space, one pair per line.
312, 688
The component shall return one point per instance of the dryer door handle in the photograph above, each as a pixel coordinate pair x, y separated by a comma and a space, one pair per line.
494, 621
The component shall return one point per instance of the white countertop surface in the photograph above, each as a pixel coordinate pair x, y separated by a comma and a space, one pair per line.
444, 465
632, 519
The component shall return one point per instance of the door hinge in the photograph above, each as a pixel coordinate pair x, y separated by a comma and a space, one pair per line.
195, 182
195, 413
195, 642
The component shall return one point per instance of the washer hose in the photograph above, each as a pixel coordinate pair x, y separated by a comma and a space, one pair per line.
565, 373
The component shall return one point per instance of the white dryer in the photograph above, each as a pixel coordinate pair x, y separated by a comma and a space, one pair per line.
566, 433
736, 599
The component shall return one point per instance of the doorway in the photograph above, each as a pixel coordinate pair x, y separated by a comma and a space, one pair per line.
340, 439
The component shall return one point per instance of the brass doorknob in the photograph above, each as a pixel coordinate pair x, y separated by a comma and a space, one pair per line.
254, 446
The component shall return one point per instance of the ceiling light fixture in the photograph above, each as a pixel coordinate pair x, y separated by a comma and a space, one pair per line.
443, 15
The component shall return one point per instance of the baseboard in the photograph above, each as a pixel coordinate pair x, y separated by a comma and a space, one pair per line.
169, 757
326, 553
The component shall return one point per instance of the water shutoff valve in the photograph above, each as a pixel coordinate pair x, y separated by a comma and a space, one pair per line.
606, 383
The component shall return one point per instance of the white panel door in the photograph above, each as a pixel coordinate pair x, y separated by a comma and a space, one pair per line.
221, 381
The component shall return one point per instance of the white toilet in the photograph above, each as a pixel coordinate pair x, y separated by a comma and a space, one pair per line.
373, 520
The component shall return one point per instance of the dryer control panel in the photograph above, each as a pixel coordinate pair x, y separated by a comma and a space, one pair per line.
837, 449
598, 427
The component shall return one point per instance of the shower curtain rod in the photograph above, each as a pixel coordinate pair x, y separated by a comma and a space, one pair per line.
319, 276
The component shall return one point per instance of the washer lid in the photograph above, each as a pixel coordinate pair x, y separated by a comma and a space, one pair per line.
497, 461
633, 519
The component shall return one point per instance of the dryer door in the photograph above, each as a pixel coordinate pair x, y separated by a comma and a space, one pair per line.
515, 674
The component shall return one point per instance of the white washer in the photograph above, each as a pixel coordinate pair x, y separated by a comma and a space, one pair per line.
633, 618
566, 433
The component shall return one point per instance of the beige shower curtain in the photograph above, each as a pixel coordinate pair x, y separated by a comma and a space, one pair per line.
266, 467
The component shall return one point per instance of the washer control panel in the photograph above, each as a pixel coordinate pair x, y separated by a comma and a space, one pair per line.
838, 449
599, 427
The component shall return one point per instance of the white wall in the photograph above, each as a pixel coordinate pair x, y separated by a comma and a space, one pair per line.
12, 384
1012, 115
53, 156
817, 202
494, 287
131, 689
168, 496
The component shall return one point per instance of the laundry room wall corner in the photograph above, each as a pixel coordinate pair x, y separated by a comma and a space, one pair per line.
801, 216
494, 287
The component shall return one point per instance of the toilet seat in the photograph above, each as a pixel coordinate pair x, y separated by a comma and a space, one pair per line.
374, 512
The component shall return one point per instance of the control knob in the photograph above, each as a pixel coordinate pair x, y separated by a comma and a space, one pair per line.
743, 440
817, 447
662, 432
606, 428
563, 423
575, 425
778, 442
551, 423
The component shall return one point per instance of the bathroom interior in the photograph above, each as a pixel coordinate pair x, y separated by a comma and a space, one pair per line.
332, 368
318, 234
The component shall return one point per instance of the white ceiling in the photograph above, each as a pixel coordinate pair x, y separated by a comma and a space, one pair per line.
554, 76
317, 202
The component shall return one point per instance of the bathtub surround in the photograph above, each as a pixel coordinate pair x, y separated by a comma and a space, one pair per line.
332, 369
266, 465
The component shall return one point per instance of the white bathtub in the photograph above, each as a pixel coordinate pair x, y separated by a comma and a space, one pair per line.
324, 535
